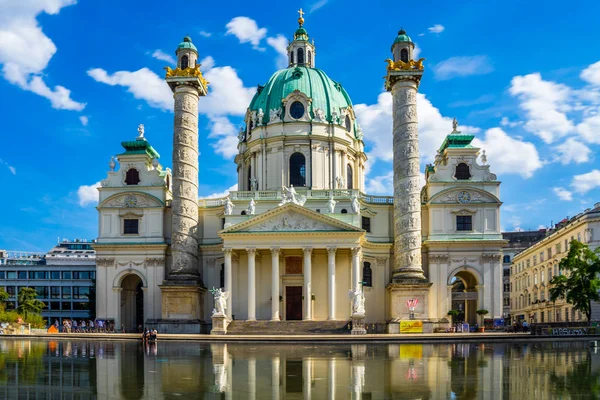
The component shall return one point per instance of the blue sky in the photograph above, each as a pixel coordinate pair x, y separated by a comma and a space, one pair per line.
77, 77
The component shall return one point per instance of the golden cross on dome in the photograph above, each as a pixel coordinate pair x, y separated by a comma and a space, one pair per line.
301, 20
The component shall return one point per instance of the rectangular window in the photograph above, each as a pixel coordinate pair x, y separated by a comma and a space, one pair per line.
11, 275
84, 275
11, 290
464, 223
55, 305
541, 256
22, 275
66, 305
67, 275
2, 275
367, 279
39, 275
366, 224
55, 275
507, 287
566, 245
557, 248
81, 292
579, 236
81, 305
66, 292
534, 260
549, 251
506, 259
55, 292
507, 272
92, 275
76, 275
130, 226
42, 292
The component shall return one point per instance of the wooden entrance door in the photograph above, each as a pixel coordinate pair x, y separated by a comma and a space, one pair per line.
293, 303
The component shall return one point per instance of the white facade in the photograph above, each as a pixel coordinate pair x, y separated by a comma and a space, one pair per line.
286, 253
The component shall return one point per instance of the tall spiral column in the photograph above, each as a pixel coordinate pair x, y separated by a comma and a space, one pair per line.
407, 187
184, 223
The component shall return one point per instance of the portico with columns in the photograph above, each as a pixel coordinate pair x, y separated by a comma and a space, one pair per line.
293, 264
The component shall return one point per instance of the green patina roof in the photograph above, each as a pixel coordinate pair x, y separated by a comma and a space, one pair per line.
186, 44
402, 37
325, 93
139, 147
301, 34
457, 140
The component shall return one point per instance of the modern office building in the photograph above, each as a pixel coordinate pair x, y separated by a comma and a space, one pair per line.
516, 242
63, 278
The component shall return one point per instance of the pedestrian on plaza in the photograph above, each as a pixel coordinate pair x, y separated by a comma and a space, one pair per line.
91, 325
74, 324
83, 326
122, 328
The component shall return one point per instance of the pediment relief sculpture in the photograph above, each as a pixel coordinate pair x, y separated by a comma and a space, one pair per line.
463, 197
131, 201
290, 221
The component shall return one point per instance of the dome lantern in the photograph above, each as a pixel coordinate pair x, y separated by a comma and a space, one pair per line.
187, 53
403, 47
300, 51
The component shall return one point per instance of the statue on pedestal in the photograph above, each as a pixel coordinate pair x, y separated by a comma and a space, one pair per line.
220, 298
358, 301
228, 206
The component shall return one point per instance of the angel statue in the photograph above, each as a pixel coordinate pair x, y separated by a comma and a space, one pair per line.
220, 298
289, 195
355, 205
358, 301
331, 204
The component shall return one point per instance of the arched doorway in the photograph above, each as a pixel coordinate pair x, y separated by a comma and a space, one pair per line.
132, 302
464, 296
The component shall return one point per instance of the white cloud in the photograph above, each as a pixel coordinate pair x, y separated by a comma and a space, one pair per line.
591, 74
416, 52
143, 84
376, 121
247, 31
589, 128
225, 132
384, 184
509, 155
161, 55
585, 182
437, 28
207, 63
461, 66
506, 122
545, 104
205, 34
12, 169
563, 193
88, 194
25, 50
222, 194
84, 120
316, 5
226, 94
279, 43
573, 150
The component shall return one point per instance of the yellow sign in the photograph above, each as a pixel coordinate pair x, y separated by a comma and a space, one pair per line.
411, 326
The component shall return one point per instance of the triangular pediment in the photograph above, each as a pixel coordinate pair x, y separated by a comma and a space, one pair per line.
466, 195
291, 218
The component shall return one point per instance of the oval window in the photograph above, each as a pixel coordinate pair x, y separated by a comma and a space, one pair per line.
297, 110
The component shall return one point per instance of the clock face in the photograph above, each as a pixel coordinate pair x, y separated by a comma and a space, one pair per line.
463, 197
130, 201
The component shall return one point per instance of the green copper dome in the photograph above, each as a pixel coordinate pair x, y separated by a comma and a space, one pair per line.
402, 38
301, 34
186, 44
326, 94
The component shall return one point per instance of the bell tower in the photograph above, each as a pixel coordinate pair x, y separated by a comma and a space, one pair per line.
183, 289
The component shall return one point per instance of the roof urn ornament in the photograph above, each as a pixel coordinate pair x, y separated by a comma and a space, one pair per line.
483, 157
112, 164
140, 130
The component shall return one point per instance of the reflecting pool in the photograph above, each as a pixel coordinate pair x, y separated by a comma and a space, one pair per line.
40, 369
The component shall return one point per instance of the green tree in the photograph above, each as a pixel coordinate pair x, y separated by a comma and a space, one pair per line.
3, 297
28, 303
579, 284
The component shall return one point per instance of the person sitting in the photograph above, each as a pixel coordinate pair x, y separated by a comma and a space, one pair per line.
83, 326
145, 335
153, 335
75, 326
91, 325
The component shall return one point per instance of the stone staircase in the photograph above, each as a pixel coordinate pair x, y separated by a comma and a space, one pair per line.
283, 328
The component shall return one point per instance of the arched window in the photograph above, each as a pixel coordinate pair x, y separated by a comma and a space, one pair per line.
348, 123
132, 177
404, 55
309, 57
344, 211
300, 56
349, 177
367, 278
298, 169
462, 172
184, 62
291, 57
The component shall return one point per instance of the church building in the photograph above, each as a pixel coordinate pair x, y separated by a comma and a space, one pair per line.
300, 235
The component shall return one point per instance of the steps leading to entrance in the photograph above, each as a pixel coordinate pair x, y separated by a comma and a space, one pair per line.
288, 327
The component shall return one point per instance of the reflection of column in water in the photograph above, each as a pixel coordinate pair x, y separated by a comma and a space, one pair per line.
252, 377
358, 379
220, 358
275, 365
331, 379
307, 375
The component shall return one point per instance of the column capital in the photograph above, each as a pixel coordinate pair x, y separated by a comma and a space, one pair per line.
251, 251
381, 261
355, 251
227, 251
307, 251
275, 251
331, 250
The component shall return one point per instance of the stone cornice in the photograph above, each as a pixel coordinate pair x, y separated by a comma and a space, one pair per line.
479, 242
374, 245
137, 246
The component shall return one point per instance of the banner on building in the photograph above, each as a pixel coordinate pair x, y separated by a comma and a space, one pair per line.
411, 326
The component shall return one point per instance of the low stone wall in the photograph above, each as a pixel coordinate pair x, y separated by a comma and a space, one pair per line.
178, 326
427, 327
564, 330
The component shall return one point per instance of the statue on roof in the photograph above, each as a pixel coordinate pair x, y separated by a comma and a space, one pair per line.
140, 132
455, 125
